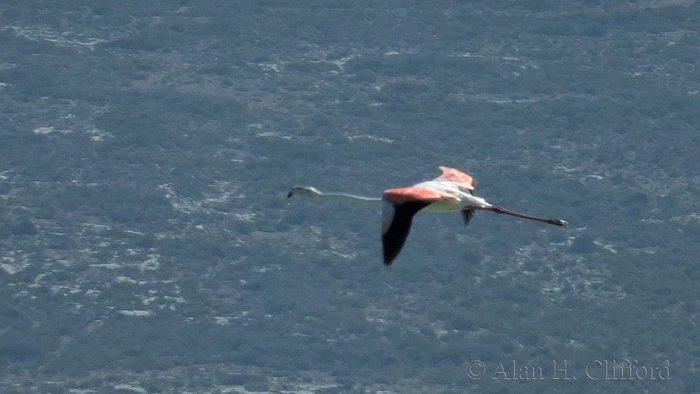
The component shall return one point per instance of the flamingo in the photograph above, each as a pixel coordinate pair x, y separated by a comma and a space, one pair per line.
450, 192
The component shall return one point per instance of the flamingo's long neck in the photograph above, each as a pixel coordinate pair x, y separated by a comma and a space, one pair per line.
369, 201
556, 222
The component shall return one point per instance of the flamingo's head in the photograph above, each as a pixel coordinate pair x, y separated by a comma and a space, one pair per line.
303, 191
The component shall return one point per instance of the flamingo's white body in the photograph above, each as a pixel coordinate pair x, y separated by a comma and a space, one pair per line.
450, 192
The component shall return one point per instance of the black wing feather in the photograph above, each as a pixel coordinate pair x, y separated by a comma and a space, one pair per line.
394, 238
467, 215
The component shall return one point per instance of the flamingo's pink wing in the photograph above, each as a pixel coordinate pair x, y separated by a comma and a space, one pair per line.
397, 214
465, 181
410, 194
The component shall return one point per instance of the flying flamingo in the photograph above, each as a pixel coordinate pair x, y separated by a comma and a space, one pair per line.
450, 192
